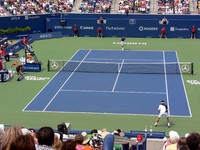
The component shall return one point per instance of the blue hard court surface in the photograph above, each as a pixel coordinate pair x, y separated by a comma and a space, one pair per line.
114, 93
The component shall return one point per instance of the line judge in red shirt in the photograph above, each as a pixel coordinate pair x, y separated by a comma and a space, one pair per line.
99, 32
193, 33
163, 33
75, 30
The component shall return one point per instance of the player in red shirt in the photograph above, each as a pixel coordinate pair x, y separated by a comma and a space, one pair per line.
163, 33
193, 33
99, 32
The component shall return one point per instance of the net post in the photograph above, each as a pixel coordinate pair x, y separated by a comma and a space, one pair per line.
192, 68
48, 65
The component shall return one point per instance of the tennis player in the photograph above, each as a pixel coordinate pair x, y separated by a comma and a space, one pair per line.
163, 112
123, 41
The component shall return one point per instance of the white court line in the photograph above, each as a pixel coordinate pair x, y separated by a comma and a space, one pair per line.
66, 81
93, 113
45, 85
104, 91
113, 89
144, 60
166, 83
184, 88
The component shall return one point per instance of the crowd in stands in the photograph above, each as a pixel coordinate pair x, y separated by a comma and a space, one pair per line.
134, 6
95, 6
198, 6
26, 7
46, 138
17, 137
2, 12
173, 7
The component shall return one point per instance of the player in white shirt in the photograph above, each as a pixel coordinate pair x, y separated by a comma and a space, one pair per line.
123, 42
163, 112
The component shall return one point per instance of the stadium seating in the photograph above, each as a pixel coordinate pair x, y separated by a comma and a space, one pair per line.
95, 6
173, 7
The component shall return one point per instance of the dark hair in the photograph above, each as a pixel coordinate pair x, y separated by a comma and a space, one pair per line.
79, 139
45, 136
62, 128
193, 141
23, 142
182, 143
69, 145
93, 131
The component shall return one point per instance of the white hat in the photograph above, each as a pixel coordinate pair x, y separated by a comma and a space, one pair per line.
86, 138
1, 127
25, 131
104, 134
57, 134
173, 136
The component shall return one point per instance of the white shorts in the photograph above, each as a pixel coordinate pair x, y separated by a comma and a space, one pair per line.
122, 43
163, 115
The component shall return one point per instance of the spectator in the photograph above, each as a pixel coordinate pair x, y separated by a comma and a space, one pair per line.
193, 141
10, 134
104, 132
182, 144
163, 33
79, 141
101, 20
171, 143
96, 141
86, 141
33, 134
69, 145
23, 142
45, 136
57, 144
25, 41
3, 54
1, 138
121, 132
63, 131
99, 32
193, 32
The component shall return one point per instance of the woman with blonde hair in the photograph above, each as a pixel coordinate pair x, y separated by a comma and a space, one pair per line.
10, 134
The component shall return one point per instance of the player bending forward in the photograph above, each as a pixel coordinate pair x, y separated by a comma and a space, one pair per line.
163, 112
123, 40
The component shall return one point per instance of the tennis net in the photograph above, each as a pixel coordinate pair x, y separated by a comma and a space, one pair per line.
122, 67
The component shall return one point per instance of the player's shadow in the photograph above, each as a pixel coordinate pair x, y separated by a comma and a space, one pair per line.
164, 124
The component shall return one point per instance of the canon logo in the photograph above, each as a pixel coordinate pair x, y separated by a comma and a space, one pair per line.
86, 28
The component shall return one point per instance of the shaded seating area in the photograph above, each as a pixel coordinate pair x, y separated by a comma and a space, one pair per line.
95, 6
134, 6
173, 7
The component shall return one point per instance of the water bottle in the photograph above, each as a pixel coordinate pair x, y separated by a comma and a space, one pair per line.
151, 130
145, 130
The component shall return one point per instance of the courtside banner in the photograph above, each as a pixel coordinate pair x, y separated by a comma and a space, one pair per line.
3, 41
15, 47
49, 35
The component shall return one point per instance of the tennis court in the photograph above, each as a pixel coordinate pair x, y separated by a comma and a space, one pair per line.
115, 82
